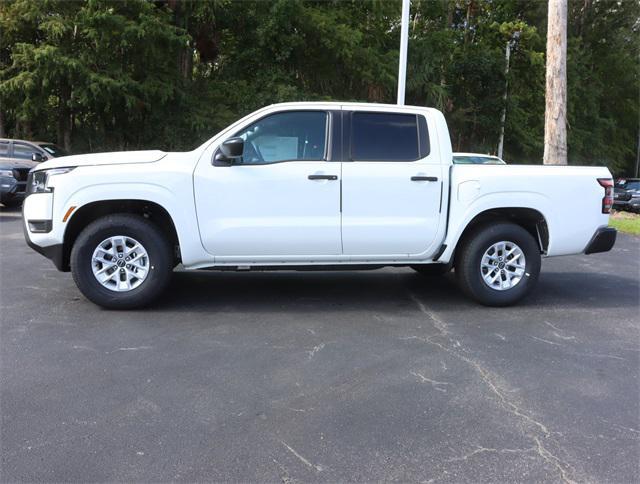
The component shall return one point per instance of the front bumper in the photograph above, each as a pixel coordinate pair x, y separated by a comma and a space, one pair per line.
11, 189
53, 252
602, 241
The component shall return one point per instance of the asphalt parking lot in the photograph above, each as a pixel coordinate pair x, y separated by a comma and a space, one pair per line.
350, 376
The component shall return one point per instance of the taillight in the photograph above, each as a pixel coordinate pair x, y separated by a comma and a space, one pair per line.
607, 200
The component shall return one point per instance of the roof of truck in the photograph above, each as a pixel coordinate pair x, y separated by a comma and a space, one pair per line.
349, 103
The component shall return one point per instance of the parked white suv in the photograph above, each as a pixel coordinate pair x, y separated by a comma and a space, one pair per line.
311, 185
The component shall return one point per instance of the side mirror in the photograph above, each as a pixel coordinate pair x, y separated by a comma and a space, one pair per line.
229, 151
232, 148
37, 157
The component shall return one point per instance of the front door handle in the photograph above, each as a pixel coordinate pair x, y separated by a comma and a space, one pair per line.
424, 178
323, 177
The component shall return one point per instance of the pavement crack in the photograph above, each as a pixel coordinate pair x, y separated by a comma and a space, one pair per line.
562, 467
481, 450
547, 341
315, 349
533, 426
301, 458
434, 383
439, 324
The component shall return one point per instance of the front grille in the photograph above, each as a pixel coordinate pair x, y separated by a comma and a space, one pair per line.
21, 174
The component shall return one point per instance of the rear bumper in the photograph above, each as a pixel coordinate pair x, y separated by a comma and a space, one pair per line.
602, 241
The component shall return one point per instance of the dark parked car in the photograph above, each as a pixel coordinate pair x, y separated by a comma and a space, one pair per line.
13, 180
626, 194
18, 149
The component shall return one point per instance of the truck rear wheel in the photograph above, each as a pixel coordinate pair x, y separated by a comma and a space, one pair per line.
499, 264
121, 261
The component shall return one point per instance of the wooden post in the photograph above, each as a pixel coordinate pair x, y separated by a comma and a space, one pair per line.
555, 113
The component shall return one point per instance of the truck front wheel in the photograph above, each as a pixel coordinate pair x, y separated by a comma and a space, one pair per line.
499, 264
121, 261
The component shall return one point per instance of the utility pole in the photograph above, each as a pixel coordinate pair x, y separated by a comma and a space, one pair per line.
555, 113
404, 41
507, 55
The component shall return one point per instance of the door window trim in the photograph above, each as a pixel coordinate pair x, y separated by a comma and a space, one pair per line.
424, 148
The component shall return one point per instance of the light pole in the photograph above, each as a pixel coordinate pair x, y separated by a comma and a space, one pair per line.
507, 55
404, 40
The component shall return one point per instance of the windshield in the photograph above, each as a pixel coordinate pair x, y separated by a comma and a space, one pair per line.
53, 150
477, 160
629, 185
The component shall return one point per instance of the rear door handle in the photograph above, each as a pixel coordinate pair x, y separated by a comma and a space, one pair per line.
323, 177
424, 178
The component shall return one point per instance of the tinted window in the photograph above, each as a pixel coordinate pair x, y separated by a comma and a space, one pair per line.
23, 152
4, 148
293, 135
384, 137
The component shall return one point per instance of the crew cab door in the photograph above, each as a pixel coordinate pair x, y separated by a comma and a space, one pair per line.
391, 185
281, 200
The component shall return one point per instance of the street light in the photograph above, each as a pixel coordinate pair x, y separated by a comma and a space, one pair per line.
404, 41
511, 43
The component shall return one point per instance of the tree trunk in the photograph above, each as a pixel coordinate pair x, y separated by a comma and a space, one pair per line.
555, 113
64, 118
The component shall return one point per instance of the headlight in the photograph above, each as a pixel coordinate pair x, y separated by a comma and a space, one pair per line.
38, 181
8, 173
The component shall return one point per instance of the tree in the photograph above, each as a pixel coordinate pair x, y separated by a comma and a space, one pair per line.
555, 114
110, 74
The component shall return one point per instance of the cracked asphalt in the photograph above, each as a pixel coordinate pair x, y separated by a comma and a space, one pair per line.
353, 376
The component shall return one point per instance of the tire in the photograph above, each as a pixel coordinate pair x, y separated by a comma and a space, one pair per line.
145, 246
432, 270
508, 288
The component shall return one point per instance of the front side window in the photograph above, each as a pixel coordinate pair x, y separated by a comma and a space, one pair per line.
287, 136
23, 152
384, 137
4, 148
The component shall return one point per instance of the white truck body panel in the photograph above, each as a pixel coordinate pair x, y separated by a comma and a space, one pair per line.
273, 214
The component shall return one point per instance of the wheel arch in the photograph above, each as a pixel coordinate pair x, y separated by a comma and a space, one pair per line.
87, 213
531, 219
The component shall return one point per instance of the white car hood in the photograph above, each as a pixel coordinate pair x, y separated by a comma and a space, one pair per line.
113, 158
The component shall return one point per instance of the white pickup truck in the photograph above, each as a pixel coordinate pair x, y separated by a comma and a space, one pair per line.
312, 186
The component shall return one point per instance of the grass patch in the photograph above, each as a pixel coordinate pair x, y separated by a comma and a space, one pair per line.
626, 222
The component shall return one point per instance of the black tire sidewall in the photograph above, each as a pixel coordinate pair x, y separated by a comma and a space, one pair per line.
474, 247
138, 228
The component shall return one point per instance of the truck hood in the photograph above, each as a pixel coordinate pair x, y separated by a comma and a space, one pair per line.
112, 158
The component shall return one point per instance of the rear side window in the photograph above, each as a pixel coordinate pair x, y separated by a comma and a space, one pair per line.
385, 137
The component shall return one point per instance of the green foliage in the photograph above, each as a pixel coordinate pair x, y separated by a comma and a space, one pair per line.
115, 74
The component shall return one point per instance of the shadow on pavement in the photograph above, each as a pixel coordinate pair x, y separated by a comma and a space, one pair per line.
375, 290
